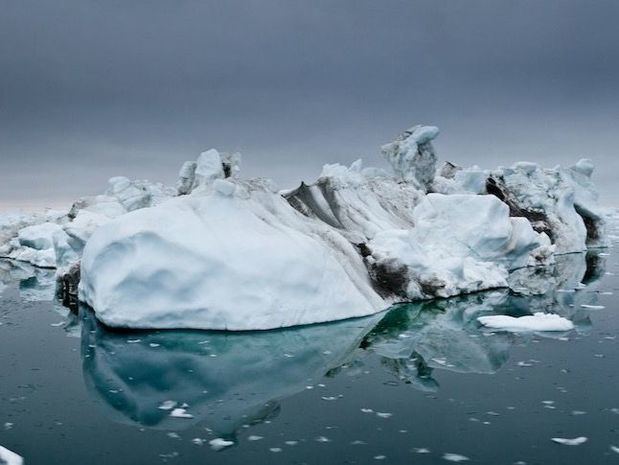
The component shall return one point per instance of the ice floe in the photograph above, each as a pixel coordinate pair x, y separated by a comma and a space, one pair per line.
537, 322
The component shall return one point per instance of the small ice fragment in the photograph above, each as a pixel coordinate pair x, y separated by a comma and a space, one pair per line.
421, 450
322, 439
357, 442
578, 412
198, 441
220, 443
133, 341
167, 405
291, 443
173, 435
570, 442
328, 398
60, 323
525, 364
614, 449
367, 410
153, 344
383, 414
8, 457
180, 413
548, 402
455, 457
593, 307
254, 437
275, 449
8, 425
380, 457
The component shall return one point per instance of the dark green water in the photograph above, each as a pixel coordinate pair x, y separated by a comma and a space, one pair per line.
406, 386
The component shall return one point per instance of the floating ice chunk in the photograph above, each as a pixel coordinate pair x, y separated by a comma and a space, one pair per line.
8, 457
220, 443
180, 413
614, 449
570, 442
593, 307
168, 405
537, 322
254, 437
455, 457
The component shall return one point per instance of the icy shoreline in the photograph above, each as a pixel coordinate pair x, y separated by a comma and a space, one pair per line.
145, 255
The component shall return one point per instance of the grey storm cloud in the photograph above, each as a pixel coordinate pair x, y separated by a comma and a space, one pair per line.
92, 89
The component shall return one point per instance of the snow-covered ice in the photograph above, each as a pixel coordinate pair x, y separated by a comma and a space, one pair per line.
537, 322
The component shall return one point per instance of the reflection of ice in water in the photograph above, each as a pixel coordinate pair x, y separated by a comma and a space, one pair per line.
414, 339
226, 379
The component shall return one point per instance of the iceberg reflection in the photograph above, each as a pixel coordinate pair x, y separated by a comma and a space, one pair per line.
226, 379
413, 340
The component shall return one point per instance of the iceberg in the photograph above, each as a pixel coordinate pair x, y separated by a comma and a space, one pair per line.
221, 252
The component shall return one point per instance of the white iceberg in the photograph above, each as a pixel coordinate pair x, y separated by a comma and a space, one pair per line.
358, 239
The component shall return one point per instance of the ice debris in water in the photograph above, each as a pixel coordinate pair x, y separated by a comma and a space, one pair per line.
537, 322
455, 457
180, 413
570, 442
220, 443
167, 405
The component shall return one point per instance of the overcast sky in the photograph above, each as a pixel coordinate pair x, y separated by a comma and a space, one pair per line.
93, 89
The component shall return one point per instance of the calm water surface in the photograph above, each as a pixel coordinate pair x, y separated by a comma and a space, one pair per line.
420, 384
